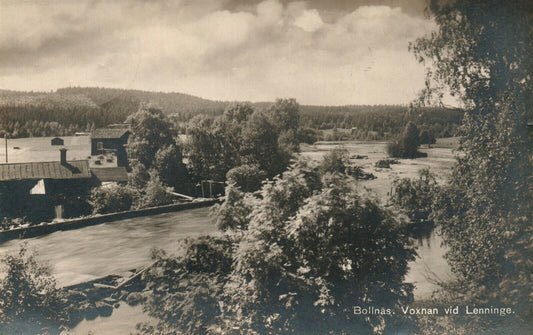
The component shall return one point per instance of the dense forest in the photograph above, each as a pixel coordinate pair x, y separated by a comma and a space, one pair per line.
76, 109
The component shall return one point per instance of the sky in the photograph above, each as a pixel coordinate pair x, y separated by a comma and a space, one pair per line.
321, 52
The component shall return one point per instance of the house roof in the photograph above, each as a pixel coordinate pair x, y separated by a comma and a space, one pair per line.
110, 174
109, 133
45, 170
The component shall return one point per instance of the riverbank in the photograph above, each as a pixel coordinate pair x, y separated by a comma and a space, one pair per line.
47, 228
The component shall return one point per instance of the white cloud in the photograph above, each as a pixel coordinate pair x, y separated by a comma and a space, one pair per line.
309, 21
201, 48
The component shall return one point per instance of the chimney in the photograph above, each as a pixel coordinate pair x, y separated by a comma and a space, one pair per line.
63, 155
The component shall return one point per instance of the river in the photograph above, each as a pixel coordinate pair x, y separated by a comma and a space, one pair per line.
79, 255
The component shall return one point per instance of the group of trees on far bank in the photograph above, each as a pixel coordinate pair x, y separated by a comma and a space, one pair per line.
242, 144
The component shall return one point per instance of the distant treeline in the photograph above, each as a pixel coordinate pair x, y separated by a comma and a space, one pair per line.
381, 122
74, 109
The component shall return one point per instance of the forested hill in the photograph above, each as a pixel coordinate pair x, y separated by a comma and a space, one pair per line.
73, 109
68, 110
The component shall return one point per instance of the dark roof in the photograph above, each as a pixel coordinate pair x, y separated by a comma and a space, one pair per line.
57, 140
109, 133
110, 174
45, 170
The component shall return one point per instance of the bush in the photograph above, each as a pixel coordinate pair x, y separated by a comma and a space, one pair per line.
186, 291
386, 163
110, 199
247, 177
416, 198
155, 194
335, 161
30, 302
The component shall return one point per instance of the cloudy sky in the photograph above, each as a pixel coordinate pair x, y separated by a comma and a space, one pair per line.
318, 51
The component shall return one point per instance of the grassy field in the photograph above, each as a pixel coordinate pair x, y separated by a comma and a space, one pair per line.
39, 149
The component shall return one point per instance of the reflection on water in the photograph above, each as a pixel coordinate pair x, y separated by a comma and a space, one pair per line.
79, 255
429, 267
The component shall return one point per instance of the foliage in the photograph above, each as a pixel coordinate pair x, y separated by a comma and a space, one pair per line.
407, 145
243, 136
416, 196
482, 54
30, 302
300, 253
186, 290
309, 255
113, 198
336, 160
386, 163
171, 169
139, 176
153, 147
248, 178
427, 138
150, 131
261, 145
155, 193
308, 135
233, 213
202, 149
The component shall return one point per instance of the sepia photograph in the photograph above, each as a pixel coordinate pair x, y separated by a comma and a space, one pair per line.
264, 167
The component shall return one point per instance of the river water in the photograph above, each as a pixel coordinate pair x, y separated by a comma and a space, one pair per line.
79, 255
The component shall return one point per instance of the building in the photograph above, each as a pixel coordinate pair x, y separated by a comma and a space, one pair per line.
106, 175
44, 190
112, 139
57, 141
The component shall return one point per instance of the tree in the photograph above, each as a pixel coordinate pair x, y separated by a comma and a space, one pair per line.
407, 145
335, 161
150, 131
155, 193
203, 149
482, 53
427, 138
261, 145
170, 168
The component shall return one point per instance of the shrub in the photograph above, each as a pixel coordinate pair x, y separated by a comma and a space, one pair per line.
415, 196
335, 161
186, 291
386, 163
110, 199
247, 177
30, 302
155, 194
